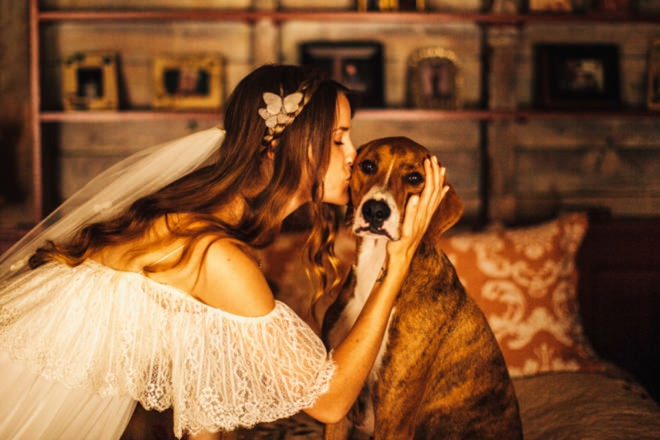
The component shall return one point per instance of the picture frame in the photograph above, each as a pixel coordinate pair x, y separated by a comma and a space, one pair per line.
391, 5
188, 82
653, 83
550, 5
577, 76
434, 79
89, 81
357, 65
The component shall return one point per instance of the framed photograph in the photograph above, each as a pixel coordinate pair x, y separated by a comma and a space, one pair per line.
550, 5
90, 81
188, 82
653, 86
357, 65
577, 76
434, 79
391, 5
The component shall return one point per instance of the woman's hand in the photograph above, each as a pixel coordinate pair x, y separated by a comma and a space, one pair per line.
418, 215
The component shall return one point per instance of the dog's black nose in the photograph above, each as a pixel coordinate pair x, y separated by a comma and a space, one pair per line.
375, 212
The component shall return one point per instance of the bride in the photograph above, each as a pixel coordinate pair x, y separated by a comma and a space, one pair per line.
144, 287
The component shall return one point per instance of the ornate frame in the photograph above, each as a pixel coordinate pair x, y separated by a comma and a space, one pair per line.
89, 81
428, 85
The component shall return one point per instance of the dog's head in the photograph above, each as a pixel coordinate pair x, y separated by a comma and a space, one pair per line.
387, 172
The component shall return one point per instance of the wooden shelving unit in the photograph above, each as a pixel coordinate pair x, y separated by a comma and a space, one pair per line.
40, 116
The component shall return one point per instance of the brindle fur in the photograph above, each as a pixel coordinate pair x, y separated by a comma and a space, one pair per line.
443, 375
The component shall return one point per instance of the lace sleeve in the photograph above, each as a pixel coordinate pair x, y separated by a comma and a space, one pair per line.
122, 333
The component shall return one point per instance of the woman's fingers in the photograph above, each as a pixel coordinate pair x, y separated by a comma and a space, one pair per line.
420, 208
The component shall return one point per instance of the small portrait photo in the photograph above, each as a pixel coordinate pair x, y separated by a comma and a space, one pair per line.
437, 78
188, 82
351, 77
90, 81
582, 75
434, 79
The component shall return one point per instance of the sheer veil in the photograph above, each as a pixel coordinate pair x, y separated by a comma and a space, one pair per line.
114, 190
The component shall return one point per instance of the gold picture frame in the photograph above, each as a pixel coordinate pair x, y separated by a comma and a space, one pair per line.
391, 5
434, 79
89, 81
188, 82
653, 84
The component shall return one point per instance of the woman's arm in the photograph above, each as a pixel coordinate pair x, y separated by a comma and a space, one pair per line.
356, 354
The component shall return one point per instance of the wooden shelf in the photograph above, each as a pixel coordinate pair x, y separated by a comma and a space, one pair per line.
125, 115
404, 114
43, 18
320, 15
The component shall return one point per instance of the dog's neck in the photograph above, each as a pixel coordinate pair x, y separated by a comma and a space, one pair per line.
371, 253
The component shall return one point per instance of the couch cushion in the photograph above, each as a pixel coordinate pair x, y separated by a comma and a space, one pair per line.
525, 281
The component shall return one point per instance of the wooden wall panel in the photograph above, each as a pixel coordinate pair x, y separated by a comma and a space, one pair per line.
84, 150
612, 164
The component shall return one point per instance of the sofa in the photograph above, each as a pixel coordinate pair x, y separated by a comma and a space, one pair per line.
574, 303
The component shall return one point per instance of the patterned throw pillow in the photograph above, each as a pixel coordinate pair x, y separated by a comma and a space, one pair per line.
525, 282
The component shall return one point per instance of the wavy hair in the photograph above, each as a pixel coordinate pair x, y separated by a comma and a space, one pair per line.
301, 149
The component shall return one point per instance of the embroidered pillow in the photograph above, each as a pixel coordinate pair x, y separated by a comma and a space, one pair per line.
525, 281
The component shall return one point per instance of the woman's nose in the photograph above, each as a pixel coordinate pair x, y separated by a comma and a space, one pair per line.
352, 152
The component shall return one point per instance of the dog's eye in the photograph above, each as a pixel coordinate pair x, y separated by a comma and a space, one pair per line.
368, 167
415, 179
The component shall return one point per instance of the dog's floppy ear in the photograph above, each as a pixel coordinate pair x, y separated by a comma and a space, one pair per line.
447, 214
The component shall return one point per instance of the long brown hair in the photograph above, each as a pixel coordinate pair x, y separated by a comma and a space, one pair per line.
302, 149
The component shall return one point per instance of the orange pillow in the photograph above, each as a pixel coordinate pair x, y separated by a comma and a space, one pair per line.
525, 282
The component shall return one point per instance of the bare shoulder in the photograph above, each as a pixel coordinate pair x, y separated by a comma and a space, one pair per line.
231, 280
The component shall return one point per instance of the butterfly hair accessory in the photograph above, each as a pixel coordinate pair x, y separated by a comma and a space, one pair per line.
281, 110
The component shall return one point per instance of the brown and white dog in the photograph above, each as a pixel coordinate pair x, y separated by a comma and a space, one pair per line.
440, 373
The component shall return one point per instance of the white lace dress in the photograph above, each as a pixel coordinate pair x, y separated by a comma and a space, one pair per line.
79, 347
